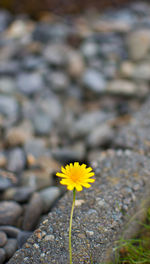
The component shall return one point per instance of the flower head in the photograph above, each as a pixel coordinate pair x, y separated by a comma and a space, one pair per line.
76, 176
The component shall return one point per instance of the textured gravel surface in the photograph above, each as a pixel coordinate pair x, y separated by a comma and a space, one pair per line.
101, 213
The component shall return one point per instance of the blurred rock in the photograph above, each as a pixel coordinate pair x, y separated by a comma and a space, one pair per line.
16, 160
2, 255
49, 196
10, 247
22, 238
11, 231
94, 81
138, 43
122, 87
33, 212
9, 213
3, 239
18, 194
30, 83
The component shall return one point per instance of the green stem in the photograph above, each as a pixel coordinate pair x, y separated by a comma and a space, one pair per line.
70, 227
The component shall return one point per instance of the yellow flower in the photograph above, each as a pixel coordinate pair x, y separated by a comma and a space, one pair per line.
76, 176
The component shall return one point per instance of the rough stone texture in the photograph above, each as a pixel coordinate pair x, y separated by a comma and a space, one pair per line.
101, 213
136, 135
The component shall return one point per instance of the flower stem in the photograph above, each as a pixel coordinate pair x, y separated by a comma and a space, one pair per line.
70, 227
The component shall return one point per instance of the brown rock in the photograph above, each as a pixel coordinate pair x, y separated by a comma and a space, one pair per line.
3, 238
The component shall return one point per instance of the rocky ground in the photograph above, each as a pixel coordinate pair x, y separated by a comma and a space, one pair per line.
66, 86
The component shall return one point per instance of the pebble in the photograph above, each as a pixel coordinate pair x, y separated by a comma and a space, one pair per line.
11, 231
18, 194
29, 83
9, 213
33, 212
100, 136
55, 55
7, 85
3, 239
138, 43
10, 247
94, 81
36, 179
122, 87
49, 196
16, 160
5, 19
2, 255
9, 108
35, 147
59, 81
75, 64
42, 124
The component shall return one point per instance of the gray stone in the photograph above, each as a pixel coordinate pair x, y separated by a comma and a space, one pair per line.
10, 247
18, 194
89, 49
16, 160
104, 211
10, 67
49, 196
142, 72
30, 83
88, 121
3, 239
94, 81
35, 147
138, 44
65, 155
7, 179
9, 108
5, 19
33, 212
2, 255
9, 213
42, 124
100, 136
11, 231
55, 54
59, 81
7, 85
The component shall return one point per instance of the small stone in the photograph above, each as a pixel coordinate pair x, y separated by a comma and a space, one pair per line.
59, 81
75, 64
100, 136
36, 179
142, 72
35, 147
49, 238
16, 160
11, 231
42, 124
7, 85
33, 212
9, 108
138, 43
89, 49
7, 179
3, 239
2, 255
16, 136
18, 194
29, 83
89, 233
65, 155
48, 197
94, 81
5, 19
22, 238
122, 87
55, 54
10, 247
3, 161
9, 213
127, 69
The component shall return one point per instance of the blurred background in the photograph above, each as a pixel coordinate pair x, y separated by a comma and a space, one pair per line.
72, 74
